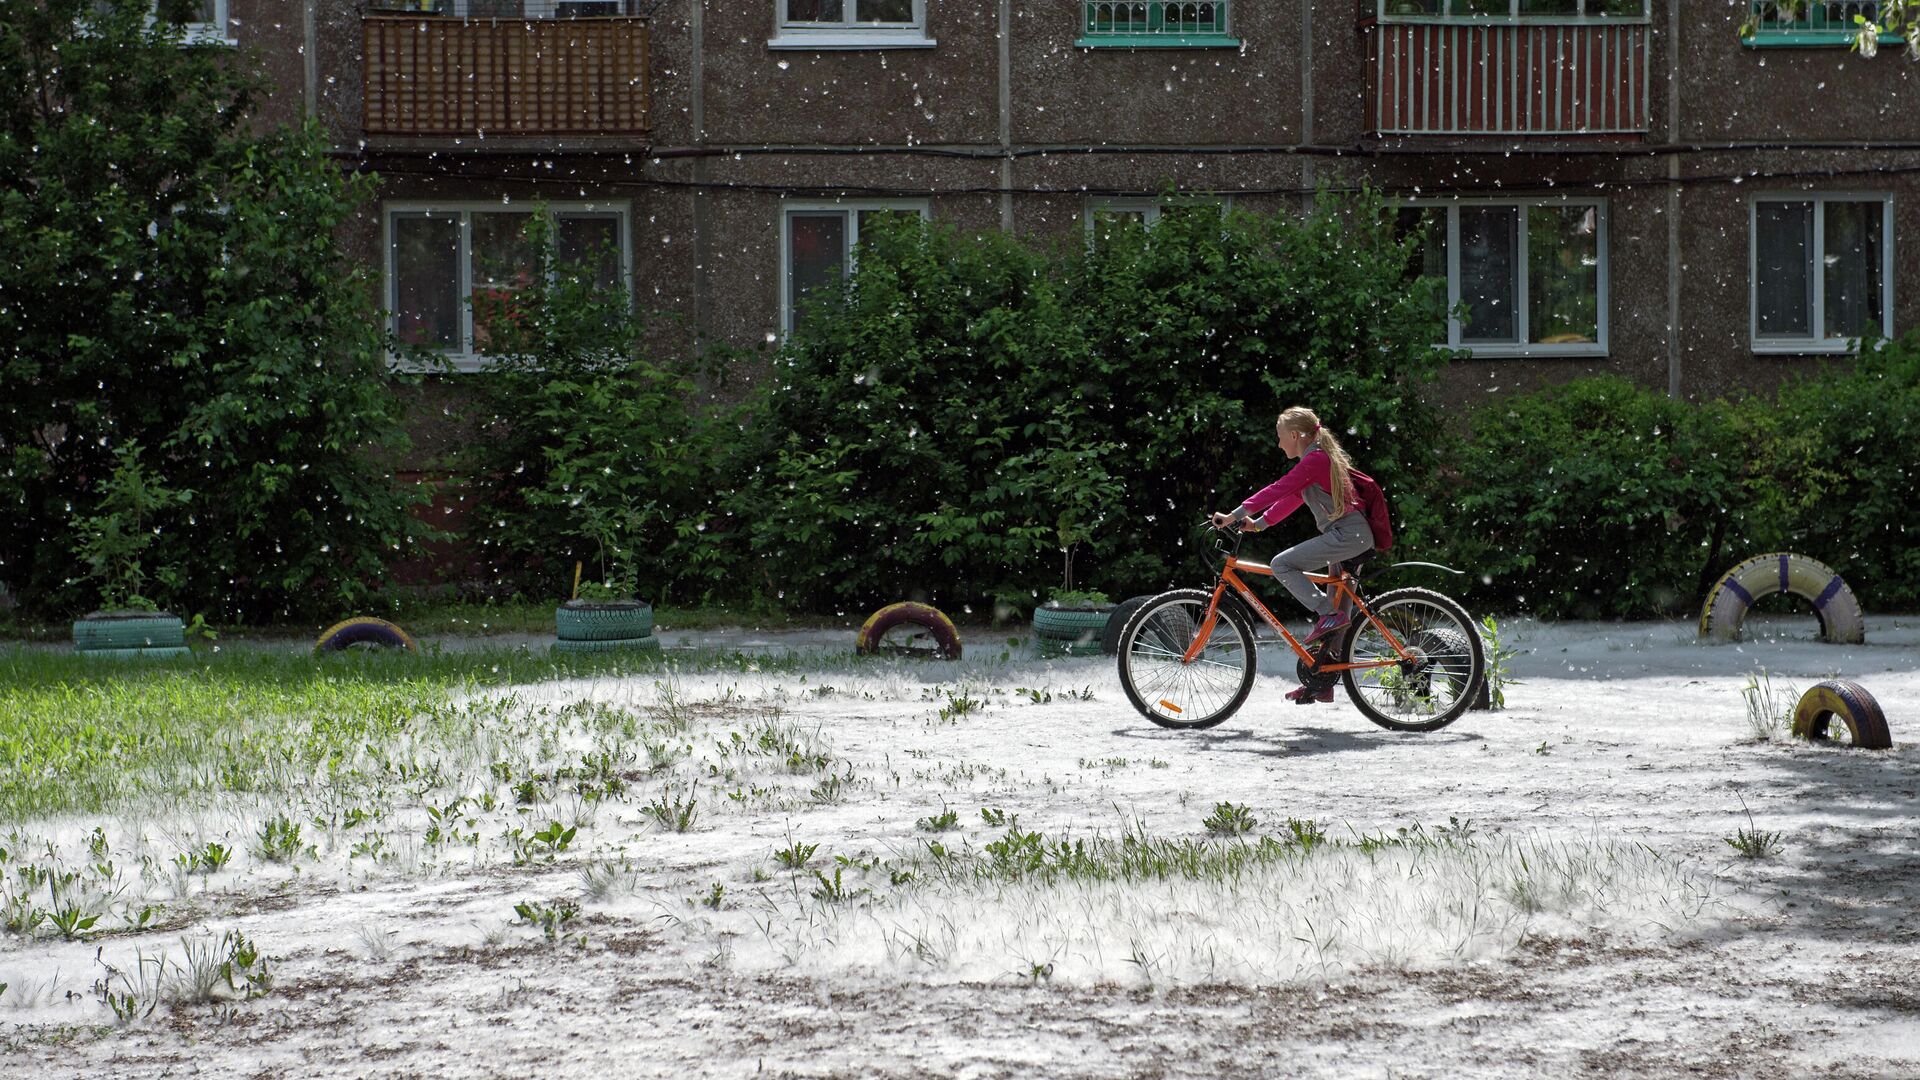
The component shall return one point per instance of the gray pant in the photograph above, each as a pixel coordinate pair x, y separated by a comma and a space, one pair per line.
1344, 539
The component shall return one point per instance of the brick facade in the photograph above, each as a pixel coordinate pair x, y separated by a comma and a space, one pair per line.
1004, 121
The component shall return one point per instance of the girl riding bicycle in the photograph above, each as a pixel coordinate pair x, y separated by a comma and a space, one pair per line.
1322, 480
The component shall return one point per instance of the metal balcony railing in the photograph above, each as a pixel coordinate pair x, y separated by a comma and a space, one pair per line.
509, 9
1507, 78
459, 77
1137, 22
1809, 23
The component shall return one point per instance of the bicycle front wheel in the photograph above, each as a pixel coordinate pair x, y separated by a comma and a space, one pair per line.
1171, 690
1435, 683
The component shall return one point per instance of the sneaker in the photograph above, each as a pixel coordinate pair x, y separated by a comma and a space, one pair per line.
1327, 624
1307, 695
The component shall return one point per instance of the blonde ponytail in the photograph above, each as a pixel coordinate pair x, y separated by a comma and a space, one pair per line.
1340, 466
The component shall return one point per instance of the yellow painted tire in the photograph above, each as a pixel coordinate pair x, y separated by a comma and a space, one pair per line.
1847, 702
1783, 572
364, 630
909, 629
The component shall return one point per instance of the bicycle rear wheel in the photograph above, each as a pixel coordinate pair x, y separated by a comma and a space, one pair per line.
1162, 684
1428, 691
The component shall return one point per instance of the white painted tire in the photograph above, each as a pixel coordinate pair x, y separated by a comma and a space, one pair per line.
1783, 572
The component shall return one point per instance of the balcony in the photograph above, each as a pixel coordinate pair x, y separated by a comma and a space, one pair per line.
434, 79
1810, 24
1507, 68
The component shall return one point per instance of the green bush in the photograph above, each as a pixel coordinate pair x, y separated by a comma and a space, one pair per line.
1835, 467
1594, 499
929, 421
591, 449
172, 280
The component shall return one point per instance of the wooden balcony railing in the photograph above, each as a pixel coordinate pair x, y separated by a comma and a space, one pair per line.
437, 76
1510, 78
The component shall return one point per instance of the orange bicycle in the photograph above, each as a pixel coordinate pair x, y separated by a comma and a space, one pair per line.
1411, 658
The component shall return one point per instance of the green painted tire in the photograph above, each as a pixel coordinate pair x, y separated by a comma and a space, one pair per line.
1066, 624
649, 643
161, 652
577, 621
1052, 647
147, 630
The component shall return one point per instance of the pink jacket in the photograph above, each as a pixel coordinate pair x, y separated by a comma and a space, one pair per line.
1310, 481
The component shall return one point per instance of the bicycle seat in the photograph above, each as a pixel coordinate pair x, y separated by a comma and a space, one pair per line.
1355, 567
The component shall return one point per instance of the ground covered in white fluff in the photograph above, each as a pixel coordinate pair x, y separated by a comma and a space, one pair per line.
1547, 890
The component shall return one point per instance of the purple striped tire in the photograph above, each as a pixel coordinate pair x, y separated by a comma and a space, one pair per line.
1783, 572
1850, 704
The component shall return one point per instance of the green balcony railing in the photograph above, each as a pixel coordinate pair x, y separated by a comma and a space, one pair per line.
1809, 23
1155, 23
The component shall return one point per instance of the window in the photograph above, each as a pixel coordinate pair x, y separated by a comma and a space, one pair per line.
1151, 23
817, 242
452, 270
1809, 23
207, 21
1562, 11
1103, 215
203, 22
850, 24
1524, 277
1822, 271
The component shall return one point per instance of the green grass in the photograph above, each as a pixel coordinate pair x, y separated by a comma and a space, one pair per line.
82, 735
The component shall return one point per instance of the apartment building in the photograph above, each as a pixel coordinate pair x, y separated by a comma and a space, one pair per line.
1616, 186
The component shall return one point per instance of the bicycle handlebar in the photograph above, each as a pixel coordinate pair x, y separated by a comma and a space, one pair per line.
1221, 544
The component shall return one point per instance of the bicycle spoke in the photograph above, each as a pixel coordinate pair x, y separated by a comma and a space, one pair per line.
1176, 691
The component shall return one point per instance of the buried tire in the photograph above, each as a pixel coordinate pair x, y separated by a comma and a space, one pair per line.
582, 620
1849, 703
649, 643
1110, 634
909, 629
364, 630
1783, 572
1069, 631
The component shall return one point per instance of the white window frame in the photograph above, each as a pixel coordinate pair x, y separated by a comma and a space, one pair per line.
464, 359
853, 207
1523, 284
1815, 342
192, 33
212, 33
1148, 207
847, 34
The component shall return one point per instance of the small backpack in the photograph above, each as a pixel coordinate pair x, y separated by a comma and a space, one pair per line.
1373, 504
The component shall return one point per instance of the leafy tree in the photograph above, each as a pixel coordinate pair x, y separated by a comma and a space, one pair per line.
591, 448
172, 281
965, 405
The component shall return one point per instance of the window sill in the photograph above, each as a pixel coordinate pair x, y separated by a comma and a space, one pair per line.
1156, 41
448, 364
851, 39
1531, 352
1811, 39
205, 34
1808, 347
